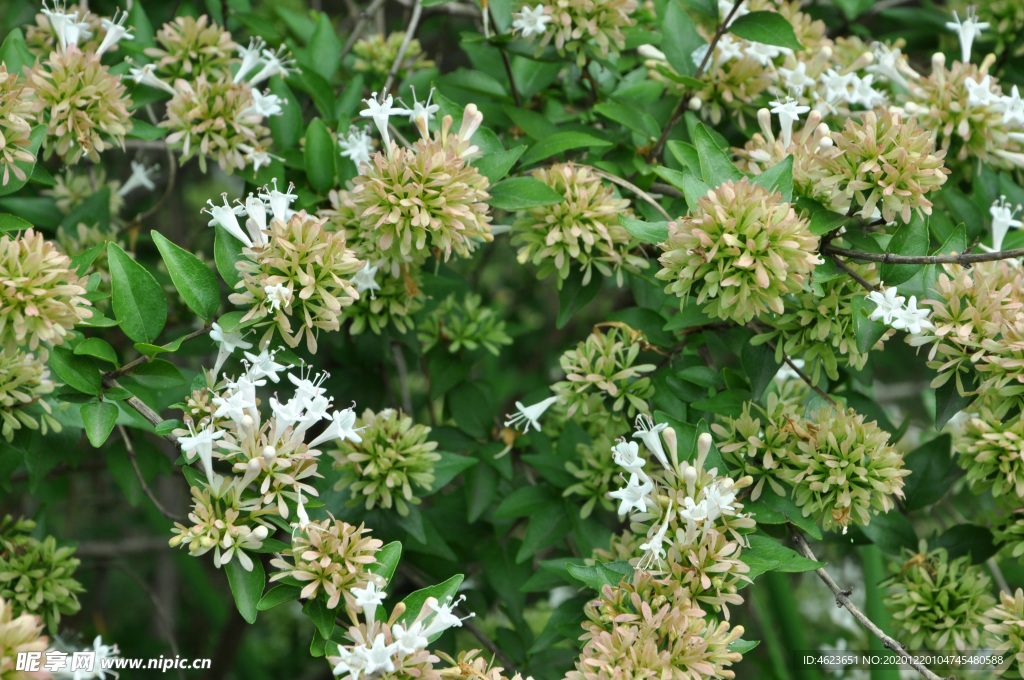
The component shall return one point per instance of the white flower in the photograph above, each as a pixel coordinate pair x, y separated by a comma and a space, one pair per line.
341, 427
300, 512
444, 618
728, 48
1002, 219
530, 21
265, 105
381, 111
863, 93
201, 444
968, 30
634, 495
256, 222
786, 372
263, 366
653, 549
275, 63
694, 512
979, 92
351, 662
250, 57
625, 455
66, 26
889, 63
357, 146
725, 7
224, 215
141, 177
1013, 107
788, 111
229, 342
366, 280
409, 639
889, 303
652, 52
279, 202
913, 320
719, 498
278, 295
697, 56
796, 78
145, 75
763, 53
307, 390
235, 406
422, 113
378, 656
528, 415
258, 156
287, 413
115, 31
368, 599
650, 435
471, 120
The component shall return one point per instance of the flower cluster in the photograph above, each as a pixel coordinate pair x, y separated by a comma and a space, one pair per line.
389, 458
412, 200
24, 381
579, 26
663, 618
191, 47
583, 229
14, 128
938, 603
19, 635
376, 55
740, 249
42, 293
330, 556
463, 324
292, 268
269, 463
604, 366
1006, 632
37, 577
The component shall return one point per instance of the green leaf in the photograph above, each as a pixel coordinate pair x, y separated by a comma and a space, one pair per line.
449, 467
575, 295
519, 193
779, 178
138, 300
143, 28
99, 418
286, 127
325, 48
79, 372
278, 595
949, 401
471, 408
13, 223
322, 617
83, 261
767, 549
387, 560
956, 243
522, 502
480, 487
891, 532
647, 232
35, 140
559, 142
743, 646
910, 239
692, 187
15, 54
683, 41
494, 166
319, 156
932, 471
715, 165
95, 347
639, 122
705, 7
596, 576
193, 279
771, 508
441, 592
227, 250
966, 539
759, 364
143, 130
550, 524
770, 28
157, 374
246, 586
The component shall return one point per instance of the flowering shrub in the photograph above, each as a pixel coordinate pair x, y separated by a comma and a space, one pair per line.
512, 341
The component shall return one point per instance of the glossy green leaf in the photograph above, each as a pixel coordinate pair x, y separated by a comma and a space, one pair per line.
932, 471
575, 294
227, 250
715, 164
387, 560
322, 617
519, 193
494, 166
246, 586
79, 372
97, 347
765, 550
560, 142
138, 300
286, 127
770, 28
13, 183
966, 539
99, 419
192, 278
319, 156
684, 39
325, 48
13, 223
647, 232
778, 178
910, 239
278, 595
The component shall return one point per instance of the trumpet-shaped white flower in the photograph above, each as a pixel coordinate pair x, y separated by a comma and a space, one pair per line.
278, 295
141, 177
381, 111
979, 92
528, 415
265, 105
796, 78
625, 455
444, 618
694, 512
357, 145
66, 26
146, 75
1002, 219
251, 57
633, 495
306, 390
235, 406
262, 365
368, 599
200, 443
115, 31
650, 435
1013, 108
366, 280
353, 662
719, 498
228, 342
409, 638
256, 222
258, 156
378, 656
274, 63
968, 29
654, 550
224, 216
889, 303
342, 427
788, 111
422, 113
911, 319
279, 202
530, 21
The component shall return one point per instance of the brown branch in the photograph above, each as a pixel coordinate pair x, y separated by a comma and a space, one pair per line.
803, 376
631, 187
488, 643
161, 613
843, 600
854, 275
892, 258
685, 101
357, 32
142, 481
414, 21
135, 363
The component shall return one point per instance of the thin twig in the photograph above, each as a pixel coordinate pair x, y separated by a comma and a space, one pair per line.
105, 550
854, 275
843, 600
403, 377
667, 189
426, 374
488, 643
135, 363
160, 611
685, 101
357, 32
142, 480
892, 258
414, 21
631, 187
511, 78
789, 362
